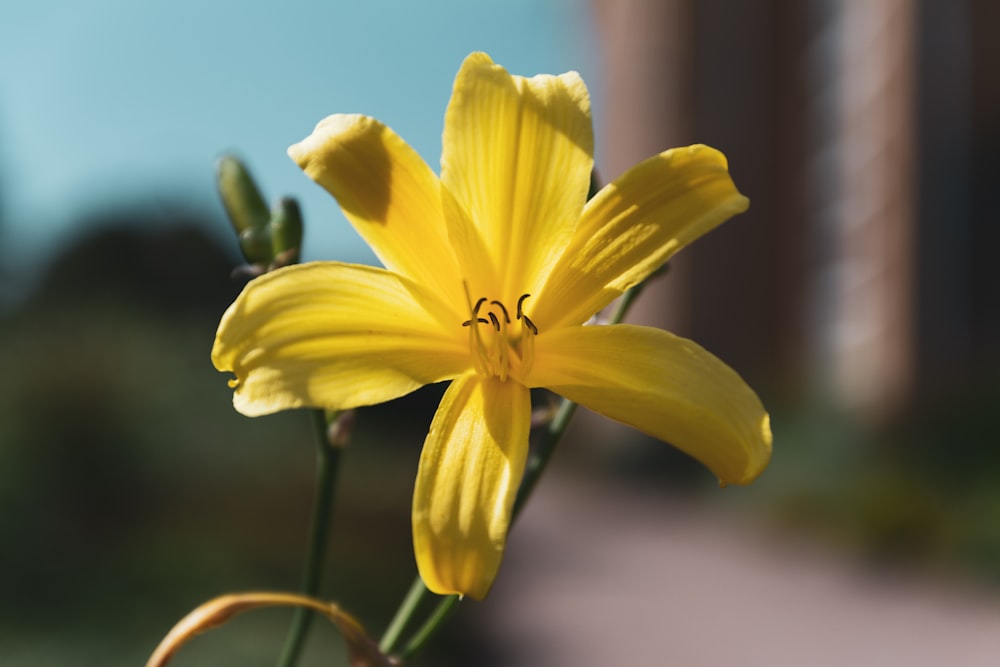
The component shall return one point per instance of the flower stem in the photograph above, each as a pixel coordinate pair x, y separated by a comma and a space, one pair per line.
328, 460
403, 615
534, 468
544, 448
427, 630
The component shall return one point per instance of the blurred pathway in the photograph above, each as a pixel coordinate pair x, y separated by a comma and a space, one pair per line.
595, 579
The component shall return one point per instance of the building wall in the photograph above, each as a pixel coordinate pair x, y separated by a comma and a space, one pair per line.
865, 135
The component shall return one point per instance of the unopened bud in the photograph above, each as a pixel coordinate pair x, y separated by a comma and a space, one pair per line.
245, 207
339, 428
286, 231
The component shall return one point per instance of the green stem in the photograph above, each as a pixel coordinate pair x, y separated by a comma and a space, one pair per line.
403, 615
427, 630
544, 449
632, 293
534, 468
328, 460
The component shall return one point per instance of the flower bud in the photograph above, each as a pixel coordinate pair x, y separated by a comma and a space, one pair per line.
285, 231
245, 207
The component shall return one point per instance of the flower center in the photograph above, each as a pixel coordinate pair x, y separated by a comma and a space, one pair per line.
496, 344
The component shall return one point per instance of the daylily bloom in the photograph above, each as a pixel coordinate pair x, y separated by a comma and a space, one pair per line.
492, 272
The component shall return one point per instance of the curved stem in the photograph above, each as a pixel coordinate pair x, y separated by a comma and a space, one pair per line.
328, 460
361, 650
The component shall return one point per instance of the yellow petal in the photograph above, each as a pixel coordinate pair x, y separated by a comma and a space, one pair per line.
336, 336
663, 385
632, 226
470, 468
388, 193
516, 160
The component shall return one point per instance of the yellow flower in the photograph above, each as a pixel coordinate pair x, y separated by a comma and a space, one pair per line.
492, 272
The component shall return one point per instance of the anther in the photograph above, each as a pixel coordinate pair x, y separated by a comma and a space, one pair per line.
520, 301
495, 320
531, 325
479, 304
506, 317
481, 320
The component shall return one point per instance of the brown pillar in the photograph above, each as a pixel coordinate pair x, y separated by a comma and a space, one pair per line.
647, 54
863, 289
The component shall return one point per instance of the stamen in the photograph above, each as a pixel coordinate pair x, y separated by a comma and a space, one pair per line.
476, 346
527, 337
493, 354
520, 301
501, 348
528, 346
506, 317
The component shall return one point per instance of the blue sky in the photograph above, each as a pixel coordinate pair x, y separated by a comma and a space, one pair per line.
114, 101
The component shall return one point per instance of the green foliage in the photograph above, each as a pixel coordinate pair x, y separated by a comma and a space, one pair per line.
922, 493
131, 491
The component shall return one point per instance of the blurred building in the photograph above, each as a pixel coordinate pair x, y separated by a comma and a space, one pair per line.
863, 133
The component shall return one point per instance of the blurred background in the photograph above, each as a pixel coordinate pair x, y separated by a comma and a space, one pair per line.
856, 296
